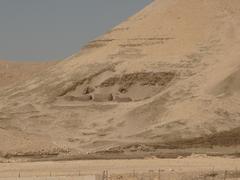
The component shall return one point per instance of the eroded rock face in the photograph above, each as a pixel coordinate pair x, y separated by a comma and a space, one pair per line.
135, 86
142, 78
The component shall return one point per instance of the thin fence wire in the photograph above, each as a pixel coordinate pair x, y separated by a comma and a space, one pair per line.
134, 175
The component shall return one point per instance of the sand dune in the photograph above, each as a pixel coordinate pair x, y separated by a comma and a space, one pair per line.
167, 75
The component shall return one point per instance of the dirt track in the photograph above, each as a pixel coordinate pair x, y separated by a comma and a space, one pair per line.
73, 168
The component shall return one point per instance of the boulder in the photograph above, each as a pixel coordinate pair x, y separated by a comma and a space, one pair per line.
122, 99
122, 90
88, 90
79, 98
103, 97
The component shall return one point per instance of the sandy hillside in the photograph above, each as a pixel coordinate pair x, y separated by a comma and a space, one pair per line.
15, 72
168, 77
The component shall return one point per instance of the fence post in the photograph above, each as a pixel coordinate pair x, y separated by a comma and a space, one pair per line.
213, 173
225, 175
107, 175
103, 175
134, 174
159, 174
150, 174
236, 172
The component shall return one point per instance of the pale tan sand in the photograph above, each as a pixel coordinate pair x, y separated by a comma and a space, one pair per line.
74, 168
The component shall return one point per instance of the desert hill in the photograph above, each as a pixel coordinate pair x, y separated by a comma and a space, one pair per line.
12, 72
166, 76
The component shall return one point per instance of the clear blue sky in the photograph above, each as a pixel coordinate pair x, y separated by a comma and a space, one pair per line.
54, 29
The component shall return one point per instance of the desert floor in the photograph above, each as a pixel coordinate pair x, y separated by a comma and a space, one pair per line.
118, 169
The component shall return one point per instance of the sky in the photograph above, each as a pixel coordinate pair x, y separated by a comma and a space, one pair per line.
55, 29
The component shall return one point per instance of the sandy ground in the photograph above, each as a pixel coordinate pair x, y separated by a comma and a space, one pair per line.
54, 178
74, 168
